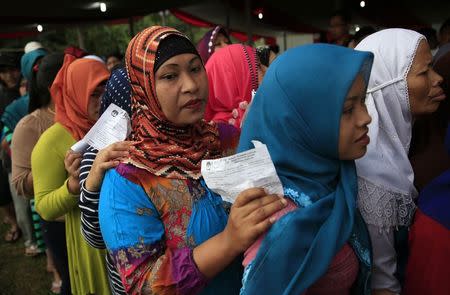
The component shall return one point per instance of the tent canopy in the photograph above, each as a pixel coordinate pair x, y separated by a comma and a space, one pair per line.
280, 15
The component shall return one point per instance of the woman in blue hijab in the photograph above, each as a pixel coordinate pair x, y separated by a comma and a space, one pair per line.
310, 113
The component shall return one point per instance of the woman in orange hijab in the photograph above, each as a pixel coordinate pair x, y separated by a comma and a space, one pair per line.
76, 92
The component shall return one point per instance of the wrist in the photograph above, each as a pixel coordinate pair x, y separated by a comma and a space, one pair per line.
228, 245
89, 184
73, 185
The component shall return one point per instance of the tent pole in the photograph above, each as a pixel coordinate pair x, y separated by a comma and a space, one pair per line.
131, 26
80, 38
248, 15
227, 20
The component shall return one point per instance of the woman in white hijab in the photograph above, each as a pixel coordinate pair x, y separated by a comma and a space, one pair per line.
402, 86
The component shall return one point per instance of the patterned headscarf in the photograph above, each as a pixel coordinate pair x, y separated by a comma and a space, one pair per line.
162, 148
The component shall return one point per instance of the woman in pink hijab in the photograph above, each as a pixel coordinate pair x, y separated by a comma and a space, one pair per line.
234, 74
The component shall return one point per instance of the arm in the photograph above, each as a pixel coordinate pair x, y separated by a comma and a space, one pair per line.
52, 196
90, 183
144, 261
23, 141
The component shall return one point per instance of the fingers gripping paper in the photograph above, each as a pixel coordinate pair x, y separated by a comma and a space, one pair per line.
231, 175
113, 126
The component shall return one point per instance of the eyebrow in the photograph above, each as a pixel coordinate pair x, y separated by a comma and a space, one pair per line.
177, 65
353, 97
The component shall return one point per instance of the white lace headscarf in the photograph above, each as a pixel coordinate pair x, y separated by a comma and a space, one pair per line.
385, 175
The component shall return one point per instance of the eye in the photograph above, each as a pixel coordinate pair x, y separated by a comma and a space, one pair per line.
196, 69
363, 100
348, 111
169, 77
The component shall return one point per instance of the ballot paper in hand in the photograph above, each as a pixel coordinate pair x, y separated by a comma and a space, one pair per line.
231, 175
113, 126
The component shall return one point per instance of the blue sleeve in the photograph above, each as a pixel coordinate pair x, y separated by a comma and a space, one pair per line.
134, 235
127, 216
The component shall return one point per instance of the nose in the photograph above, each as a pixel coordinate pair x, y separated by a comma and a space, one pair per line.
437, 79
363, 118
190, 84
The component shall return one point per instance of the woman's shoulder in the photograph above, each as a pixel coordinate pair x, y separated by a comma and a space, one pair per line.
56, 138
27, 123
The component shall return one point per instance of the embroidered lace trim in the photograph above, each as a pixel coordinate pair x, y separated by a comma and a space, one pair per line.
382, 207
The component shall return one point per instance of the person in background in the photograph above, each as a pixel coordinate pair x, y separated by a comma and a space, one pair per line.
429, 237
113, 60
360, 35
402, 87
444, 33
432, 38
275, 48
339, 27
234, 74
26, 134
9, 90
428, 155
15, 111
93, 168
212, 41
266, 55
76, 92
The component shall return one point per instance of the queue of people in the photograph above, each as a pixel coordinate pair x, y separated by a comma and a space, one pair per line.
357, 132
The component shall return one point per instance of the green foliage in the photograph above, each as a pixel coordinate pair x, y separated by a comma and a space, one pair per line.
102, 38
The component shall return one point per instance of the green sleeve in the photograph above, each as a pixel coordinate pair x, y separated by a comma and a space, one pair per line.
52, 197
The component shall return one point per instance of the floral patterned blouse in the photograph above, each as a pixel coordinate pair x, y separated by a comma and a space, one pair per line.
151, 224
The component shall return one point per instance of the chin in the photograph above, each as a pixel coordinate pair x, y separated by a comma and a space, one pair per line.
360, 153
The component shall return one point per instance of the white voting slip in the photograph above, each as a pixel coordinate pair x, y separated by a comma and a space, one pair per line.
113, 126
231, 175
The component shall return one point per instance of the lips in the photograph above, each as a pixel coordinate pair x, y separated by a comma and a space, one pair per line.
439, 96
193, 104
364, 139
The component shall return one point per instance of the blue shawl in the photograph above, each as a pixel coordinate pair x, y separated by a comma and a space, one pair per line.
296, 113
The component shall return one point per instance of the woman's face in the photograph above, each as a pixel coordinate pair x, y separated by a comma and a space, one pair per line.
353, 138
182, 89
94, 102
220, 42
10, 76
111, 62
424, 84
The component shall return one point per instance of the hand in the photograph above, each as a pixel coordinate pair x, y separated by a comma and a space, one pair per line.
72, 163
250, 217
106, 158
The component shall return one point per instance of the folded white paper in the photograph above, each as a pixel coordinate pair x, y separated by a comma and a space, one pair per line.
113, 126
231, 175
